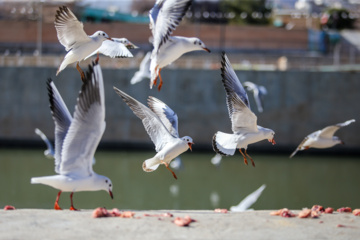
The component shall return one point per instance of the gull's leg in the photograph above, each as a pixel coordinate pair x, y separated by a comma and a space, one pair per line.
155, 80
245, 160
97, 58
252, 161
82, 75
56, 206
161, 82
167, 166
72, 205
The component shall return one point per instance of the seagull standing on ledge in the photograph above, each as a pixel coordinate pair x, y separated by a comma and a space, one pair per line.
244, 121
80, 46
161, 123
76, 139
322, 138
165, 16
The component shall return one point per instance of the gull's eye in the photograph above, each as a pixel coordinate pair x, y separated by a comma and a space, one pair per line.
106, 181
104, 34
195, 42
109, 185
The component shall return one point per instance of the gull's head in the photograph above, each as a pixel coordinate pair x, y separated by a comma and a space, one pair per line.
270, 135
105, 184
188, 140
199, 44
102, 35
127, 43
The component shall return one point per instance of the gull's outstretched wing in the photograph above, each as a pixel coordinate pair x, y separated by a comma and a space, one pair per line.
144, 70
329, 131
167, 116
242, 118
70, 31
246, 203
87, 126
62, 120
165, 16
156, 129
50, 152
113, 49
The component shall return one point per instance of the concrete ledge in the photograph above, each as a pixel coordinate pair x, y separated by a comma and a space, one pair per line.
51, 224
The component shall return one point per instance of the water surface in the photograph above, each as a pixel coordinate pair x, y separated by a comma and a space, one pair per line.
293, 183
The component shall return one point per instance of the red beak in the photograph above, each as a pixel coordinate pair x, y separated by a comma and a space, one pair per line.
110, 39
272, 141
206, 49
111, 194
190, 145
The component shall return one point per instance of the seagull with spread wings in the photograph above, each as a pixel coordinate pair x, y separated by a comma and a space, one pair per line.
76, 139
165, 16
161, 123
323, 138
80, 46
244, 121
258, 92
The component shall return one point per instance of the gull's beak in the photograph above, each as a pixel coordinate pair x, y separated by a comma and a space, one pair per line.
110, 39
272, 141
341, 142
206, 49
190, 145
111, 194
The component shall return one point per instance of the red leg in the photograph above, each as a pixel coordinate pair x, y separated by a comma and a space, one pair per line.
155, 80
252, 161
161, 82
56, 206
82, 75
167, 166
245, 160
72, 205
97, 58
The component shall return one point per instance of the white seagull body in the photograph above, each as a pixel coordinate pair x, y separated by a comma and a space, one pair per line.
165, 16
144, 70
161, 123
322, 138
49, 152
249, 200
244, 121
258, 92
76, 139
71, 34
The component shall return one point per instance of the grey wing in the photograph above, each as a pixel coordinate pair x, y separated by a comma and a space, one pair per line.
249, 200
152, 123
144, 71
87, 126
165, 16
126, 42
302, 146
237, 100
70, 31
329, 131
167, 116
112, 49
49, 146
62, 120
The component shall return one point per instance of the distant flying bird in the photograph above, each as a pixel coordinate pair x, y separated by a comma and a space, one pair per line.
144, 71
322, 138
244, 121
49, 152
71, 34
246, 203
161, 123
258, 92
165, 16
216, 160
76, 139
177, 164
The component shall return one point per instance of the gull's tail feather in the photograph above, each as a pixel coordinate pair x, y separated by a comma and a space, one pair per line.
293, 154
150, 165
224, 143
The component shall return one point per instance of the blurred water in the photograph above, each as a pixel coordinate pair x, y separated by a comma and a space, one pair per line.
293, 183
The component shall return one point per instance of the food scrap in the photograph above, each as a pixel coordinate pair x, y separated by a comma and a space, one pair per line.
356, 212
159, 215
183, 222
221, 210
344, 210
283, 213
8, 207
329, 210
103, 212
305, 213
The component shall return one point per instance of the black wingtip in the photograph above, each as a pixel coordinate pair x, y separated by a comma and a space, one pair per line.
215, 148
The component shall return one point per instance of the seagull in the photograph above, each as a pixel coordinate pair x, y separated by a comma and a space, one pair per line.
49, 152
161, 123
76, 138
249, 200
323, 138
177, 164
165, 16
216, 160
144, 71
258, 91
71, 34
244, 121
